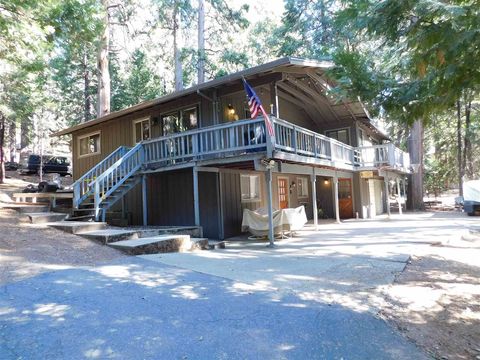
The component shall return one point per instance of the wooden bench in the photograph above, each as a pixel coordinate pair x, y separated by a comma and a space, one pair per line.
52, 197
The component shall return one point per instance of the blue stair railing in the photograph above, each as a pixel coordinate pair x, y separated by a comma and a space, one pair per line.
115, 177
83, 187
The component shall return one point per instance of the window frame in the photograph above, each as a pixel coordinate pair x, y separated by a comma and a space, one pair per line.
250, 199
299, 180
98, 152
337, 130
141, 120
179, 113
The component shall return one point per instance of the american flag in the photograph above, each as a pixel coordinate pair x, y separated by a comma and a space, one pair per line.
255, 106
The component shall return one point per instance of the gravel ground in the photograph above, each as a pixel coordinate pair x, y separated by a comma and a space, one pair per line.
27, 250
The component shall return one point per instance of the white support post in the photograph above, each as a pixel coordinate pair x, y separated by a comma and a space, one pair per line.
404, 193
268, 178
314, 199
399, 197
196, 201
337, 204
144, 200
387, 195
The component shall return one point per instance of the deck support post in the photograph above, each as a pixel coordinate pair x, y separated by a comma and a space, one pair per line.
404, 192
337, 204
268, 177
387, 195
196, 201
399, 198
144, 200
314, 199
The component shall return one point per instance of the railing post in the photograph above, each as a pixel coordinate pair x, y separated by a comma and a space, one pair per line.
391, 154
195, 146
76, 194
96, 200
270, 143
294, 139
332, 157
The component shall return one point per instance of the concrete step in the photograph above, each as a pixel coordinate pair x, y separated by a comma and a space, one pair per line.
28, 208
80, 217
107, 236
75, 227
45, 217
215, 244
161, 244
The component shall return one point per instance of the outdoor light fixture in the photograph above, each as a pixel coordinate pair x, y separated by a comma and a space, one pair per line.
268, 163
325, 181
231, 110
292, 186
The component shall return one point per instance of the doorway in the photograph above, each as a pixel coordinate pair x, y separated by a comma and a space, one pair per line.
345, 200
283, 193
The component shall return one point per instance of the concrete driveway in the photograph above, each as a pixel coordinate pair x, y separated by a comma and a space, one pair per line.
310, 298
350, 263
137, 309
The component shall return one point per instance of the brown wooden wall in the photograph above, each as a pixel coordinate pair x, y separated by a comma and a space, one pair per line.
170, 198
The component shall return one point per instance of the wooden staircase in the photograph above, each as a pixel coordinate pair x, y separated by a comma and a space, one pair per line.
107, 183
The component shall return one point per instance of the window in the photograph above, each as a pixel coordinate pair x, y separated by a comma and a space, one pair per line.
302, 187
250, 187
141, 130
340, 135
181, 120
89, 144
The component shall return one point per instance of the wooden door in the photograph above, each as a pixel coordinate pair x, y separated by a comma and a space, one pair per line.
283, 193
345, 200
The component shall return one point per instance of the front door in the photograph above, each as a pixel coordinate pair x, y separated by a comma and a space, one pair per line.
283, 193
345, 201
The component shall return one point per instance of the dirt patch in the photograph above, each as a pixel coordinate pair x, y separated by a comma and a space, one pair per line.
26, 250
435, 302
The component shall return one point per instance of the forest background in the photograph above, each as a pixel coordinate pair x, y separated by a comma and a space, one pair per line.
413, 63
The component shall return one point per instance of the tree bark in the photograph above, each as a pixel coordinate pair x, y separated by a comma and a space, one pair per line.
415, 149
86, 92
102, 67
177, 47
2, 143
201, 41
467, 150
459, 149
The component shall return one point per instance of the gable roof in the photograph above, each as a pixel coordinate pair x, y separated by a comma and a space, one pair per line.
277, 65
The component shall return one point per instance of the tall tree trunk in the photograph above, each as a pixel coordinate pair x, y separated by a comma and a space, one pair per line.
86, 85
177, 47
102, 67
201, 41
12, 139
415, 149
467, 150
459, 149
2, 143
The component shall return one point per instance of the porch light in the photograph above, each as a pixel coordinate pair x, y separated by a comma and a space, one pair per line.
231, 110
325, 181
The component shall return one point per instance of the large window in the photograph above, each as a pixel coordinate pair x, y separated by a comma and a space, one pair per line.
302, 189
89, 144
250, 187
340, 135
180, 120
141, 130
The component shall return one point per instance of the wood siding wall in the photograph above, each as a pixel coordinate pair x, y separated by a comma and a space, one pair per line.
170, 198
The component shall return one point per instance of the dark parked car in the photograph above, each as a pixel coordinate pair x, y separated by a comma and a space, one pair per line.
51, 164
11, 165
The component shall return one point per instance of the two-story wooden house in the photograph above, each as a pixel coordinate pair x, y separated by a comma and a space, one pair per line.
195, 157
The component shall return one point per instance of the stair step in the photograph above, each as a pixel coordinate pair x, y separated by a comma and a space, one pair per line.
160, 244
75, 227
45, 217
28, 208
80, 218
214, 244
107, 236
